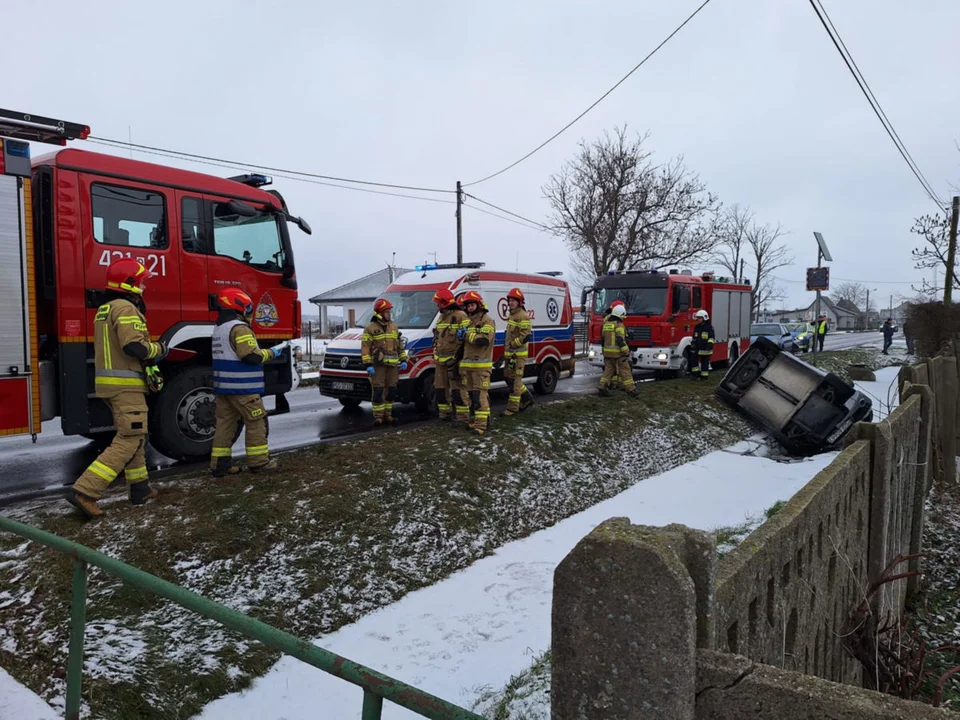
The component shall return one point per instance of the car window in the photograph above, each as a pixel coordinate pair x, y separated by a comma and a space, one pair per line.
766, 329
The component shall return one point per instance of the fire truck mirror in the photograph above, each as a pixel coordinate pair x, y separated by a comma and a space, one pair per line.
304, 225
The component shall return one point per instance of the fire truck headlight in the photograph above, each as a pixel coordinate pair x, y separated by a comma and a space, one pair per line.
661, 356
592, 354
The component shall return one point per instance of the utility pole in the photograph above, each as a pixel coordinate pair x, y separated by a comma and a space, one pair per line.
951, 252
459, 223
741, 270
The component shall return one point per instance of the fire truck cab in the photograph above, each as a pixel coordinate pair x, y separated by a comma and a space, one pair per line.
64, 217
660, 308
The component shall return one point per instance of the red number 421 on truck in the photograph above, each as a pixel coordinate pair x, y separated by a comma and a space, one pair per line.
66, 216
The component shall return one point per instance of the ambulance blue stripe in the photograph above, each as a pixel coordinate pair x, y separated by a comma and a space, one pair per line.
555, 334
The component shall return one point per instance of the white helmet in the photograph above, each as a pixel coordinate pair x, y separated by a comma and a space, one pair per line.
620, 310
701, 315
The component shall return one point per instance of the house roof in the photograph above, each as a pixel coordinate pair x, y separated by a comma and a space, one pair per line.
847, 305
366, 288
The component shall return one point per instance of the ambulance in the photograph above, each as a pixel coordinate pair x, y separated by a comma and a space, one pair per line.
343, 375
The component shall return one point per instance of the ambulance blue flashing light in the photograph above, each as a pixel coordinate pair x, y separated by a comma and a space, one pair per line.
446, 266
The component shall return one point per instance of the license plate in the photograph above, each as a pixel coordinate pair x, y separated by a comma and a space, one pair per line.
348, 386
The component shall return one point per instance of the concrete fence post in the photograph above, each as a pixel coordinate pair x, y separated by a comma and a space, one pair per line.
947, 394
923, 481
625, 625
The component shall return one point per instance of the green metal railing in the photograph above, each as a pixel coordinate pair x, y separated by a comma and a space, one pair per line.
376, 686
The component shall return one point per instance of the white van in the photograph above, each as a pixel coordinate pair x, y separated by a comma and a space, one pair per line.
343, 376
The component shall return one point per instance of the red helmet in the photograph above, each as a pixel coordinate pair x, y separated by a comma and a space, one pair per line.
233, 298
382, 304
617, 302
472, 296
127, 275
516, 294
443, 298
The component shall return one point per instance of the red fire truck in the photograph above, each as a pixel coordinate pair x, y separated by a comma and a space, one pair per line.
659, 322
66, 216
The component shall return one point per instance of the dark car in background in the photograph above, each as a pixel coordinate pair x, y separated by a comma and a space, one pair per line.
806, 409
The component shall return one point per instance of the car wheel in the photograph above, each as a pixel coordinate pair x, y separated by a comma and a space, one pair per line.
547, 377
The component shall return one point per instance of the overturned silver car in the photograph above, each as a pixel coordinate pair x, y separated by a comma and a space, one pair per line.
806, 409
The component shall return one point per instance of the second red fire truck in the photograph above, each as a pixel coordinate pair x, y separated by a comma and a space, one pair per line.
659, 322
66, 216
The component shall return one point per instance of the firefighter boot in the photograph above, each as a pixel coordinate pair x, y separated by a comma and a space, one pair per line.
271, 466
140, 492
526, 399
87, 505
604, 392
223, 472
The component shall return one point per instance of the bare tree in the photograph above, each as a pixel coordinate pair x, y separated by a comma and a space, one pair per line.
617, 210
932, 253
733, 228
768, 256
854, 293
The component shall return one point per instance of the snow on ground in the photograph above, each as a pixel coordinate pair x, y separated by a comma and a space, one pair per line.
18, 703
484, 624
884, 392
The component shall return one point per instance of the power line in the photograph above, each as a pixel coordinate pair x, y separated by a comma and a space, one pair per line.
874, 103
148, 148
839, 279
541, 226
501, 217
237, 166
594, 104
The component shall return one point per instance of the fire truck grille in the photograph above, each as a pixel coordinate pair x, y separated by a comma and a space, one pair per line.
638, 334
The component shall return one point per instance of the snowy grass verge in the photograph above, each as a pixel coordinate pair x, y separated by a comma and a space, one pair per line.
342, 531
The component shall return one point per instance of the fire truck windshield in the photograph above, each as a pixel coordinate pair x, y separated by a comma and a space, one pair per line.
639, 301
255, 240
413, 309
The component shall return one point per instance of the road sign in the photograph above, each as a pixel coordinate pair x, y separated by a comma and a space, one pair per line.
818, 278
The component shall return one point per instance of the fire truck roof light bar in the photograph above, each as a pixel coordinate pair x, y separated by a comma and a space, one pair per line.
447, 266
252, 179
36, 128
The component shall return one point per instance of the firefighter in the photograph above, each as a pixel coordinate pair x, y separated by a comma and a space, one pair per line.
703, 341
446, 348
462, 399
477, 364
238, 386
382, 351
125, 370
515, 352
616, 352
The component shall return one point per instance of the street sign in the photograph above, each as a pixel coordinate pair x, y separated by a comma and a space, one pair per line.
818, 279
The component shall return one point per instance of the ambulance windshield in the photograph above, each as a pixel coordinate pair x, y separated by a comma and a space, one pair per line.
412, 309
639, 301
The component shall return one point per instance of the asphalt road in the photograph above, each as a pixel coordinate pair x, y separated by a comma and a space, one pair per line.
56, 460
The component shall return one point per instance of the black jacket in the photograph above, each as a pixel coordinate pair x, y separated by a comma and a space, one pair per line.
703, 338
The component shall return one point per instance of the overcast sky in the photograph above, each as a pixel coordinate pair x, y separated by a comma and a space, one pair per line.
751, 93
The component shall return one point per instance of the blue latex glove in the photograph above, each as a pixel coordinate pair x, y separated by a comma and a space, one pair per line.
403, 366
278, 350
460, 333
371, 370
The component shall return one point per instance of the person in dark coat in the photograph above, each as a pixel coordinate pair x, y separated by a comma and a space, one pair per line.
888, 330
908, 336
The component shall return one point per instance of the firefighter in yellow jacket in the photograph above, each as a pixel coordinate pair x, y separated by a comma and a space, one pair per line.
238, 386
616, 352
125, 368
515, 353
703, 341
446, 347
477, 364
382, 351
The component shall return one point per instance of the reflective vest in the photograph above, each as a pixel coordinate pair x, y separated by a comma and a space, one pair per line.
232, 376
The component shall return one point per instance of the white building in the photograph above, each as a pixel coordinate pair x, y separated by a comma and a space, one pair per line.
355, 296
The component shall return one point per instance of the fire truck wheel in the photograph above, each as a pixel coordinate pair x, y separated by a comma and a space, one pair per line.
426, 398
182, 415
350, 402
100, 440
547, 377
